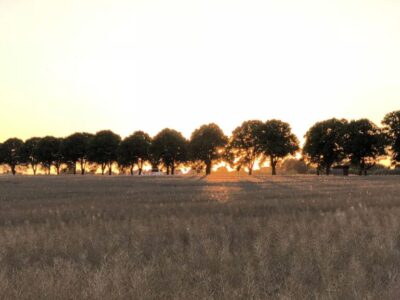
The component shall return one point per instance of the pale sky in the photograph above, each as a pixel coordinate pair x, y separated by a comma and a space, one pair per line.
68, 65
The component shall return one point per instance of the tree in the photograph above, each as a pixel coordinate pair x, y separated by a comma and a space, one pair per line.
30, 153
392, 129
10, 153
278, 141
363, 143
75, 148
103, 149
324, 143
197, 166
293, 165
169, 147
49, 153
245, 145
134, 150
207, 145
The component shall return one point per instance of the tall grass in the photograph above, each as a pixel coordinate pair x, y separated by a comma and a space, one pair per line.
196, 238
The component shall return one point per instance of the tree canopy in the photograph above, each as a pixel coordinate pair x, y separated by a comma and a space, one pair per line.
392, 128
49, 153
10, 153
245, 145
75, 148
103, 149
169, 148
134, 150
324, 144
277, 142
364, 142
30, 153
207, 145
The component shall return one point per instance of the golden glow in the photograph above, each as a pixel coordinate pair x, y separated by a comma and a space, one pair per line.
185, 170
257, 166
72, 65
222, 164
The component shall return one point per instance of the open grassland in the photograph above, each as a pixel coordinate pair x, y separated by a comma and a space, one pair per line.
228, 237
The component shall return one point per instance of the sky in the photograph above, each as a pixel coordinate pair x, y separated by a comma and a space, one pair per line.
88, 65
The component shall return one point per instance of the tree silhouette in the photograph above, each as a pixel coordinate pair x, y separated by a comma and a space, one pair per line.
327, 143
75, 149
134, 150
363, 143
197, 166
392, 128
103, 149
30, 153
49, 153
324, 143
278, 141
10, 153
293, 165
245, 146
207, 145
169, 147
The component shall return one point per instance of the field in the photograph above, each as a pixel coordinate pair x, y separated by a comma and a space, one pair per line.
260, 237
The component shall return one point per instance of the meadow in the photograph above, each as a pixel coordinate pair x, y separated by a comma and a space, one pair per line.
216, 237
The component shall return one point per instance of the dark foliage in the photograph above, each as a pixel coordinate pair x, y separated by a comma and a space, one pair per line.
207, 145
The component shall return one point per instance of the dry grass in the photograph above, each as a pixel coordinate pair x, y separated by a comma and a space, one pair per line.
194, 238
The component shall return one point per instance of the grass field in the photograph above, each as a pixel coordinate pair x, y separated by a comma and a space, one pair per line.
295, 237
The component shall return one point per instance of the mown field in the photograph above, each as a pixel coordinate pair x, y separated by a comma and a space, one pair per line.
294, 237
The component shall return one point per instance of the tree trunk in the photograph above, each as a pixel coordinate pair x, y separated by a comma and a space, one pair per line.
110, 169
103, 168
273, 166
49, 170
167, 169
131, 169
13, 170
250, 167
74, 168
362, 168
328, 170
83, 165
368, 167
318, 171
208, 168
172, 170
140, 166
34, 168
58, 170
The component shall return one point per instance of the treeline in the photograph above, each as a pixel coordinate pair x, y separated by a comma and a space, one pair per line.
328, 143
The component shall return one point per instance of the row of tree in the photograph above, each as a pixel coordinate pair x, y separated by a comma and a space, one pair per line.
327, 143
333, 142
